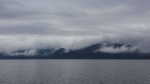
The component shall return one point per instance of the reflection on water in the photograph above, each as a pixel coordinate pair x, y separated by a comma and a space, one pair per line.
74, 72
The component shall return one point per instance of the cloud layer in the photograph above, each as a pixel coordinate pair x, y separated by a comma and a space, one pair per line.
73, 23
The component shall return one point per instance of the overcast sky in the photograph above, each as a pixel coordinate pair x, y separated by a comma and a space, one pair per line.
73, 21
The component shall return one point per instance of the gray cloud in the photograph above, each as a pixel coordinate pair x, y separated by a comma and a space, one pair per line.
126, 20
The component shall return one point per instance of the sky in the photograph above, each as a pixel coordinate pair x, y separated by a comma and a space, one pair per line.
73, 23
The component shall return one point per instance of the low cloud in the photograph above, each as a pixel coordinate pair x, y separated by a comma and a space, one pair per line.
25, 42
14, 43
122, 49
31, 52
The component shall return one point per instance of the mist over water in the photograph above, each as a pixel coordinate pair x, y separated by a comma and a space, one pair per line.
74, 72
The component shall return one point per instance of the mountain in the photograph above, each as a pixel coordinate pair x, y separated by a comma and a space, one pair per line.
104, 50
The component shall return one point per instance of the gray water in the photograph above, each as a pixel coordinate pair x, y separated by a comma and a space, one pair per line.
74, 71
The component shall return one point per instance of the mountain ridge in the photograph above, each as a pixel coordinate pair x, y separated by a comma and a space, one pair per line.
105, 50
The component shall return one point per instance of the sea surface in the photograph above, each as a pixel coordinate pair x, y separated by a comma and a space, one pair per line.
74, 71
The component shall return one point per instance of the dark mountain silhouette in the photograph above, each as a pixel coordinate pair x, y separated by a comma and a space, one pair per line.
119, 51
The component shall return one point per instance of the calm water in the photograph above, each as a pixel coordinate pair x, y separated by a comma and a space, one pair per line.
74, 71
